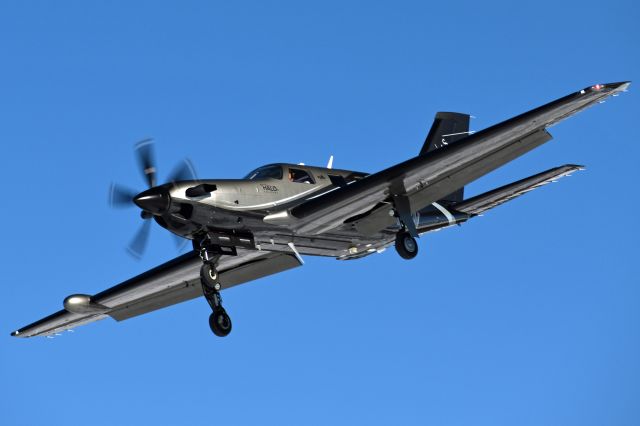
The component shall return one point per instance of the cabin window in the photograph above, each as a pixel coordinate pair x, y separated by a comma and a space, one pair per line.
300, 176
266, 172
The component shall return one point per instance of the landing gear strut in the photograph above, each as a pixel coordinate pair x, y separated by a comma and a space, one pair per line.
219, 321
209, 276
406, 245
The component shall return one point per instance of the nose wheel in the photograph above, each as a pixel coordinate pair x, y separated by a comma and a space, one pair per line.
219, 320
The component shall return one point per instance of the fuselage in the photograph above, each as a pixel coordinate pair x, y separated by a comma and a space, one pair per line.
243, 207
270, 188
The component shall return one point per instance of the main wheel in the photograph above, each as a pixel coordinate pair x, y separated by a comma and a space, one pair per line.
406, 245
209, 276
220, 323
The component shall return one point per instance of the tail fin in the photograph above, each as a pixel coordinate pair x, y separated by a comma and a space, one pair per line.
447, 128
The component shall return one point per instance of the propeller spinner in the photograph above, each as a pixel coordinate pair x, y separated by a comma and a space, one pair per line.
153, 201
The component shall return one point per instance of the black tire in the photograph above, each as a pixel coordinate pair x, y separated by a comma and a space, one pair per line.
406, 245
209, 276
220, 323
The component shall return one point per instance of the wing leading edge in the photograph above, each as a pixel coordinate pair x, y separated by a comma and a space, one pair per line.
170, 283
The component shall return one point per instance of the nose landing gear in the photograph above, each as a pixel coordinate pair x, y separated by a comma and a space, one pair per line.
219, 320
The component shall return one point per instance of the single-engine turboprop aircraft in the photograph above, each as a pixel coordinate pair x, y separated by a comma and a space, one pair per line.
244, 229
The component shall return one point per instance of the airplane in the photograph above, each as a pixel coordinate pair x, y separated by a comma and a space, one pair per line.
245, 229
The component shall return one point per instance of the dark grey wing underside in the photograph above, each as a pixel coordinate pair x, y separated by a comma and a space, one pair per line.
173, 282
483, 202
427, 178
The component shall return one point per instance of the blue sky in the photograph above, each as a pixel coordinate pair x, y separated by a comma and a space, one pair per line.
528, 315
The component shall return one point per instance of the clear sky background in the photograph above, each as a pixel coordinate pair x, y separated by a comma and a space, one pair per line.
526, 316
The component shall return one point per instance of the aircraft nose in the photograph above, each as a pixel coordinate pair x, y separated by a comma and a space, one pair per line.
154, 200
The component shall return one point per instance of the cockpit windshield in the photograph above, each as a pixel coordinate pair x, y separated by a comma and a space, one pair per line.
266, 172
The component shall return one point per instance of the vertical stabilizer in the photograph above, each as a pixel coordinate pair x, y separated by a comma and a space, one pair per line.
447, 128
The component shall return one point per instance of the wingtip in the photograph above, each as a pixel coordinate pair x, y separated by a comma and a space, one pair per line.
620, 86
576, 166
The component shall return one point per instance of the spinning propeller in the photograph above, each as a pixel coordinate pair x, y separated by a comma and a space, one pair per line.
153, 201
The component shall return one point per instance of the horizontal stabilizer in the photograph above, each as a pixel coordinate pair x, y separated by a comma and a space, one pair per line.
488, 200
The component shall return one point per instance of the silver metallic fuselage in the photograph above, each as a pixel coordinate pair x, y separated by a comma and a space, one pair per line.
241, 206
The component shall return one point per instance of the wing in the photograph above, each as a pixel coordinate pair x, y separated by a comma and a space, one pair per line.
483, 202
170, 283
427, 178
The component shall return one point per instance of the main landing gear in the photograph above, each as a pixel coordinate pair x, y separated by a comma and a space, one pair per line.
406, 245
219, 321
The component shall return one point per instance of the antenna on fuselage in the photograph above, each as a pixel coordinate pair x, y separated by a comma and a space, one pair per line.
330, 163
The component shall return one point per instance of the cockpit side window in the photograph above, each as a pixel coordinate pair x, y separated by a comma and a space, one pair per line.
300, 176
267, 172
